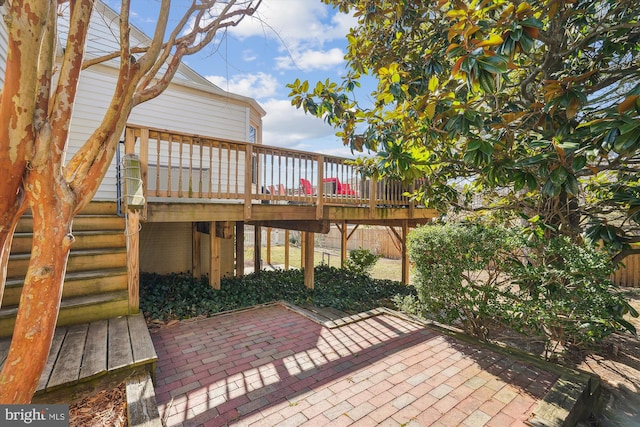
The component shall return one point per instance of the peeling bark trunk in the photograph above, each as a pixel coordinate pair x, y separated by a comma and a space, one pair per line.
52, 205
9, 221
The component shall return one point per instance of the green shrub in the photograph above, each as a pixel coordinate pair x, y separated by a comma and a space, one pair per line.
180, 296
564, 292
557, 289
459, 271
361, 261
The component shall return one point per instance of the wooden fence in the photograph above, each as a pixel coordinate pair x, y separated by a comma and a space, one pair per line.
629, 275
378, 240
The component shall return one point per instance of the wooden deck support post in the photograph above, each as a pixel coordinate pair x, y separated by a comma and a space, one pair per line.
343, 243
224, 231
286, 249
269, 245
257, 249
239, 248
405, 254
303, 238
196, 268
308, 259
214, 258
133, 260
133, 241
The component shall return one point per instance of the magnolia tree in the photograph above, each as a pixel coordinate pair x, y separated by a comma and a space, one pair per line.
535, 104
36, 105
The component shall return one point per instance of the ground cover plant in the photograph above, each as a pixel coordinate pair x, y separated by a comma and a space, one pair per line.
181, 296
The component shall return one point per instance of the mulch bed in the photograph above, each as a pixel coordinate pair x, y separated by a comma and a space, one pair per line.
107, 408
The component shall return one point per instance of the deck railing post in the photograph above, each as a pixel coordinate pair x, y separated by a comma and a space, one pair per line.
144, 166
133, 240
412, 202
373, 185
248, 171
320, 188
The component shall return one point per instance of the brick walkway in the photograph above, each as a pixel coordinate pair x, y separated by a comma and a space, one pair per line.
272, 366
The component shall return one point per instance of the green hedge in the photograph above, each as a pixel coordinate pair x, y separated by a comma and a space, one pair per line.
475, 276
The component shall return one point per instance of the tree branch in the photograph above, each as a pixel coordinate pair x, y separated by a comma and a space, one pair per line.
62, 102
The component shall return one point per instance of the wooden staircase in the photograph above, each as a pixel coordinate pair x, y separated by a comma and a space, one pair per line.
95, 285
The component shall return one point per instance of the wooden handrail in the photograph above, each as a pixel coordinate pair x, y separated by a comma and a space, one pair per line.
178, 165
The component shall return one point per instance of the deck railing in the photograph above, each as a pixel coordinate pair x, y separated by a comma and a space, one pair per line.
181, 166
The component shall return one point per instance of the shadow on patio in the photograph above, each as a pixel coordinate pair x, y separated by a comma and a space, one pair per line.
271, 365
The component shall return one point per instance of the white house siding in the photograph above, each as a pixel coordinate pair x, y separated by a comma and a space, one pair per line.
178, 109
4, 41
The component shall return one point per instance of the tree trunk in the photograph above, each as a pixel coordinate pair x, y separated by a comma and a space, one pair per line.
52, 205
9, 220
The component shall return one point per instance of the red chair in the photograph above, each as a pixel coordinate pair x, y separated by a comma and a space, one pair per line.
346, 189
307, 188
340, 188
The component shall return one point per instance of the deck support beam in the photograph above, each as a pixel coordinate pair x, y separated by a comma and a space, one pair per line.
308, 259
133, 260
405, 253
257, 249
286, 249
239, 248
342, 228
133, 240
214, 258
196, 244
269, 245
227, 261
402, 240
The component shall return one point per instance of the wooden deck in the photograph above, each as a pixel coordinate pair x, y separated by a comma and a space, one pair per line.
94, 355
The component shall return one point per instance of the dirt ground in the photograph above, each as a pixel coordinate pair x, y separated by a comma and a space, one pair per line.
617, 364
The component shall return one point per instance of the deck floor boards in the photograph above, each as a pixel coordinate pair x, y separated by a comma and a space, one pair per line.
94, 361
119, 353
80, 353
67, 367
58, 338
141, 343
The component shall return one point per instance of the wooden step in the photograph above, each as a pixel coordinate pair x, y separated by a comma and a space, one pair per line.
80, 223
76, 310
84, 240
100, 208
75, 284
94, 259
94, 208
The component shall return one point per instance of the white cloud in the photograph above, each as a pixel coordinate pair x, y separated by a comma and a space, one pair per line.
248, 55
258, 86
294, 20
310, 60
286, 126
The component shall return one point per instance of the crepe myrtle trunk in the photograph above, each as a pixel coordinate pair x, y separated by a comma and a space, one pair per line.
52, 207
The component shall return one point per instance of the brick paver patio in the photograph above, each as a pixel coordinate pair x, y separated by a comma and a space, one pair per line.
272, 366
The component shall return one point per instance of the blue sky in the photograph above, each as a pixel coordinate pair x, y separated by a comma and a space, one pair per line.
287, 39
